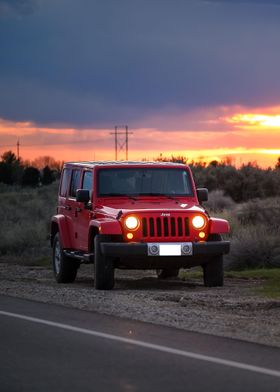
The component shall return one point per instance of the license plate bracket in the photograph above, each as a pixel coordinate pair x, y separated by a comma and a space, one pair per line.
170, 249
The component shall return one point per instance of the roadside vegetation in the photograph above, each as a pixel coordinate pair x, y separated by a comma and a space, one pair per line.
42, 171
25, 215
268, 277
248, 197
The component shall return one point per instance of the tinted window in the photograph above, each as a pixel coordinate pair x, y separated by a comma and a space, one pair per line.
144, 181
87, 181
64, 182
75, 182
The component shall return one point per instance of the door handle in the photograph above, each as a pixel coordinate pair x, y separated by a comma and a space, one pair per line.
68, 208
78, 209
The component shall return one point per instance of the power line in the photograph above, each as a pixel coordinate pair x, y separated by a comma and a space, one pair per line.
44, 144
121, 143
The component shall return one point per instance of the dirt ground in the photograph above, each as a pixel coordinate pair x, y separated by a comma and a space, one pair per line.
235, 310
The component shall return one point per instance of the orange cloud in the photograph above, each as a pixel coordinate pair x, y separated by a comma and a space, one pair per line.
267, 119
263, 120
207, 134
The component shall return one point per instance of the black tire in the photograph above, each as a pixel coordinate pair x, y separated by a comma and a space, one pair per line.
104, 272
213, 272
64, 268
167, 273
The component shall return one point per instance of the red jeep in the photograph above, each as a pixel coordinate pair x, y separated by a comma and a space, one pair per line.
134, 215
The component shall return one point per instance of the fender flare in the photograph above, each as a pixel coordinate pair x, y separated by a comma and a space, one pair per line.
59, 224
106, 226
218, 226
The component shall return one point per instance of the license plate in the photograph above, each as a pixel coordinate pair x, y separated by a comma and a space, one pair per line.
170, 250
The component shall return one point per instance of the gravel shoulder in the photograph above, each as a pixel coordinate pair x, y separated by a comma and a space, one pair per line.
234, 311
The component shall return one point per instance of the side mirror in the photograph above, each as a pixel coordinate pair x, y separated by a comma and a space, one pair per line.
82, 196
202, 194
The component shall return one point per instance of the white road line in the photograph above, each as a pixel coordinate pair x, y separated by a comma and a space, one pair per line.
139, 343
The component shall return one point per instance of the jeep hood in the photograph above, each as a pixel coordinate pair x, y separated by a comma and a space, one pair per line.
115, 208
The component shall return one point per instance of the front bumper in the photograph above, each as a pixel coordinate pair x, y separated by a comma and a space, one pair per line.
120, 249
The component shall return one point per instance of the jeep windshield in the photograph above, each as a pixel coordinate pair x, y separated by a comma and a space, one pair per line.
144, 182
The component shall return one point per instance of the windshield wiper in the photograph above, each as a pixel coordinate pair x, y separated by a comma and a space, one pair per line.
151, 194
131, 197
160, 195
156, 194
134, 196
118, 194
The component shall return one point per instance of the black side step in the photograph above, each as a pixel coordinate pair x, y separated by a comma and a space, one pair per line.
86, 258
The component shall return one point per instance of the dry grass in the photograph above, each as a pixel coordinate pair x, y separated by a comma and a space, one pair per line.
25, 216
218, 202
254, 247
255, 232
260, 212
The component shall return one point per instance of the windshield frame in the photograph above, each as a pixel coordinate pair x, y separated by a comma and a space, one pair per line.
144, 194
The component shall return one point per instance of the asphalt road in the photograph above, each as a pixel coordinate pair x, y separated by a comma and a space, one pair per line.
51, 348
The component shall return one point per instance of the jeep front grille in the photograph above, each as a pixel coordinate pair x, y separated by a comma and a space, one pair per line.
165, 227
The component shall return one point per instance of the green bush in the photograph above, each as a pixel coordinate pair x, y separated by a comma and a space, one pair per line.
241, 184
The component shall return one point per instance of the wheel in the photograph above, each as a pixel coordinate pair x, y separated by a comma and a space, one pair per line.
167, 273
103, 266
64, 268
213, 272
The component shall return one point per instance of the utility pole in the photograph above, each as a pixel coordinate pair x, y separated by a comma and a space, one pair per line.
126, 142
18, 149
116, 143
120, 142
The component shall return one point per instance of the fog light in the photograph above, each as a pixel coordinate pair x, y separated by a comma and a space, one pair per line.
202, 235
129, 236
187, 249
153, 249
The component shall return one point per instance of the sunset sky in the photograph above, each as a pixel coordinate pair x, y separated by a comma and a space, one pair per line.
198, 78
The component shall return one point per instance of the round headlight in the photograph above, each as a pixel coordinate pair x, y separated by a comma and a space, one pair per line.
131, 222
198, 222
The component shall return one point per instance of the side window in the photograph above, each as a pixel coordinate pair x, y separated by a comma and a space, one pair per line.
64, 182
87, 180
75, 182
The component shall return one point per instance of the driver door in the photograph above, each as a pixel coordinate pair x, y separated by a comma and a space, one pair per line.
83, 213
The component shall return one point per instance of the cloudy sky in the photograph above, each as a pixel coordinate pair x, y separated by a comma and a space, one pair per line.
192, 77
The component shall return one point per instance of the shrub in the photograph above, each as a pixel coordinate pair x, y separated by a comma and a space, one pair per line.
218, 201
31, 176
25, 216
260, 212
254, 233
243, 184
47, 176
254, 247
